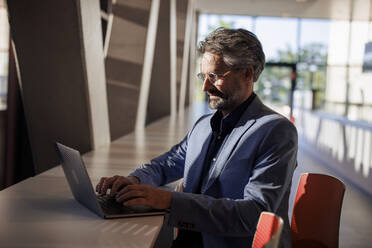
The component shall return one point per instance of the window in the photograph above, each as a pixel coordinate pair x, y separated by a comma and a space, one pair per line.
288, 40
208, 23
4, 54
278, 37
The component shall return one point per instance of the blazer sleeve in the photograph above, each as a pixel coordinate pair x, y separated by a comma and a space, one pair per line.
168, 167
164, 169
266, 189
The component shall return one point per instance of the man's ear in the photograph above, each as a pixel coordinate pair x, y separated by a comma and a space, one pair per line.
249, 73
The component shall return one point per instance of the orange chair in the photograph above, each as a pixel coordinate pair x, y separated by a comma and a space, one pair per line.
268, 231
316, 211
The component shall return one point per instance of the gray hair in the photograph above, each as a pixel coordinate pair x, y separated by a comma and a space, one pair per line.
239, 48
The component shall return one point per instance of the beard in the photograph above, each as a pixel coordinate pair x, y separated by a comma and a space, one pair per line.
222, 101
218, 103
228, 100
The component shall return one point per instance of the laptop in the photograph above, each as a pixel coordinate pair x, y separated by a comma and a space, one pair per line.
82, 189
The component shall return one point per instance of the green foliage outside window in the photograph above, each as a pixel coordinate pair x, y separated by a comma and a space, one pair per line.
311, 59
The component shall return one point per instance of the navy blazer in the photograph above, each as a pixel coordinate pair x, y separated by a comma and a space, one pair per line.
252, 173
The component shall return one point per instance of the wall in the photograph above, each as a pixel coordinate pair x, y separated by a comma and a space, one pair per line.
138, 62
181, 7
61, 69
124, 63
159, 95
60, 51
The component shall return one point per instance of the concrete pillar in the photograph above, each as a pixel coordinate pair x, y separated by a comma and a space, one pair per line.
160, 88
185, 72
181, 29
127, 59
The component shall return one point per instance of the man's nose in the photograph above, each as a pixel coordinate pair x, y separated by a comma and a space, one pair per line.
207, 84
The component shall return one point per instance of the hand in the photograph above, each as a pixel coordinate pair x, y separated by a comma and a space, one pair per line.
114, 183
142, 194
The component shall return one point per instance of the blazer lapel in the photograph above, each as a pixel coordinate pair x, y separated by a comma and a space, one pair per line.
196, 156
195, 171
245, 122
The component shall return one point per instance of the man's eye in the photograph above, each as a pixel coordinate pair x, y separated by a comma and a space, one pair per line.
212, 76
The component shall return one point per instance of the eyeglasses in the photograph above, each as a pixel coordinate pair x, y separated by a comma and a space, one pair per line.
212, 77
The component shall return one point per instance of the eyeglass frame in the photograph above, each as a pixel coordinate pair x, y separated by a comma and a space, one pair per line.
215, 76
203, 76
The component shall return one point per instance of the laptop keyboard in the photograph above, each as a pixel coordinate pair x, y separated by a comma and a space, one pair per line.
111, 206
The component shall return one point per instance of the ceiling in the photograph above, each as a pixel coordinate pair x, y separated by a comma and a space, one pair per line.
359, 10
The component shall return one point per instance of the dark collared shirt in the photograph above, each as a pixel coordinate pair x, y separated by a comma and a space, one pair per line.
221, 129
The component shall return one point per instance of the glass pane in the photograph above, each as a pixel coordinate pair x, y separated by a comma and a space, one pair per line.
208, 23
338, 43
359, 37
203, 26
274, 85
278, 37
309, 27
314, 48
312, 79
359, 94
4, 57
3, 81
336, 90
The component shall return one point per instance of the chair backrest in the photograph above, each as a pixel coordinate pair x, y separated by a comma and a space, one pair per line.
268, 231
316, 211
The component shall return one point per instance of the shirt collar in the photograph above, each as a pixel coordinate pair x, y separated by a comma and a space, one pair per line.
221, 124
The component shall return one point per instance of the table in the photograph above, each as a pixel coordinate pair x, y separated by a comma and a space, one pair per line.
41, 211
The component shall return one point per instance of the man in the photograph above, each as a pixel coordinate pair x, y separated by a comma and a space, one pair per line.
235, 163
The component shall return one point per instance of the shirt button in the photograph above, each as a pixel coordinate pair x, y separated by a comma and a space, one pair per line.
219, 137
214, 159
